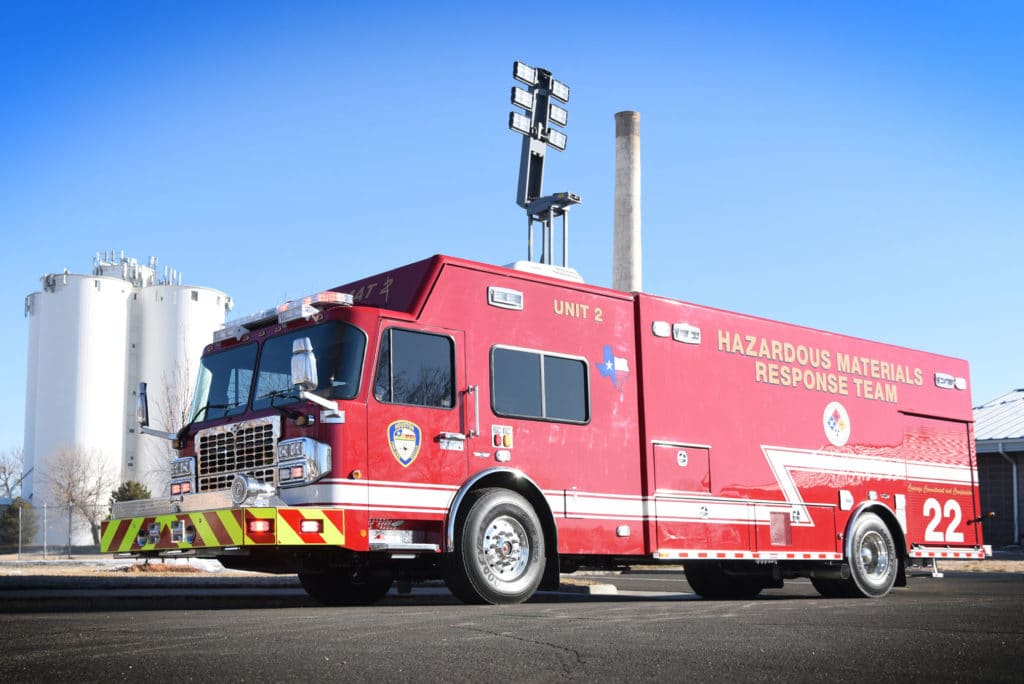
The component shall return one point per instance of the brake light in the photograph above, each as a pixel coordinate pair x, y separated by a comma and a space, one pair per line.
260, 526
311, 526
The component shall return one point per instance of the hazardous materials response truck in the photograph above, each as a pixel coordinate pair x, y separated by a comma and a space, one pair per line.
494, 427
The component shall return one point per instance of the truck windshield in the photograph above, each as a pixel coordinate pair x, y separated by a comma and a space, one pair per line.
339, 351
227, 378
222, 388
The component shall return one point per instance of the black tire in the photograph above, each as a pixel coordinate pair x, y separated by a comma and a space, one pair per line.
831, 588
342, 588
499, 549
708, 580
874, 564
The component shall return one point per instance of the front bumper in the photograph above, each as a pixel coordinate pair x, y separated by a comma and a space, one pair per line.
225, 530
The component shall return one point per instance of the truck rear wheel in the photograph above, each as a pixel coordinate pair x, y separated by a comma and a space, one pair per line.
710, 581
499, 549
343, 588
873, 560
831, 588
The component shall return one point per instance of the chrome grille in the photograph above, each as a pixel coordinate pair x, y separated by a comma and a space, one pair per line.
223, 452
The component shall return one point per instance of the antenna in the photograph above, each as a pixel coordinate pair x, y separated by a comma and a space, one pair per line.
534, 125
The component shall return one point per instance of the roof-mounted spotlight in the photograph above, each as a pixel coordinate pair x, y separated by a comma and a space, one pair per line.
519, 123
557, 115
526, 74
559, 91
521, 98
556, 139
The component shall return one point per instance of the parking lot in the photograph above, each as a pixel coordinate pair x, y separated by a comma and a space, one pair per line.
966, 626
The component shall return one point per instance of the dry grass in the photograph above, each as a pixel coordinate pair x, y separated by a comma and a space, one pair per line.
161, 569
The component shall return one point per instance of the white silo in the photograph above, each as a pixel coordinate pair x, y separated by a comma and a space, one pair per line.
92, 339
171, 324
78, 330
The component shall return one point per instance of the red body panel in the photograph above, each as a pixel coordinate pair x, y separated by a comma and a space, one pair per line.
709, 433
758, 395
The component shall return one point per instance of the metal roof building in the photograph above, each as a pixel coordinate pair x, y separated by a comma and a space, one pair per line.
999, 438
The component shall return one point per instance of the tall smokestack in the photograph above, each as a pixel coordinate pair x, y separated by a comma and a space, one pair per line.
626, 270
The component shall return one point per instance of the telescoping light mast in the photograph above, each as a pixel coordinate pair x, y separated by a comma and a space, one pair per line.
535, 122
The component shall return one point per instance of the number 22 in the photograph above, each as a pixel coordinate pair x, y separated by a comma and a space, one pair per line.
937, 511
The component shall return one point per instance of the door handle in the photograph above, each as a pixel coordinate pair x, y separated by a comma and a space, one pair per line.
474, 390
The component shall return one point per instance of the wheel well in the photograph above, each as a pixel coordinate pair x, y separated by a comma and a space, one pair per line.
516, 482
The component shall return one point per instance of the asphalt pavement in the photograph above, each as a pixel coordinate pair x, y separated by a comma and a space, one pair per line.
92, 582
965, 627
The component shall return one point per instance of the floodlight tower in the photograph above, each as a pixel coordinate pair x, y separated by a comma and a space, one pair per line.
539, 112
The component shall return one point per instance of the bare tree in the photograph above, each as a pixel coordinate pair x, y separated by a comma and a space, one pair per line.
83, 479
172, 404
12, 465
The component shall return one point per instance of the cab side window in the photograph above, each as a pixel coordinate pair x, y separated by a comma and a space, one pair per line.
415, 368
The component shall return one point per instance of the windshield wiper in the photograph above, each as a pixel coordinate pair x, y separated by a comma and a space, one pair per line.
277, 394
183, 432
204, 407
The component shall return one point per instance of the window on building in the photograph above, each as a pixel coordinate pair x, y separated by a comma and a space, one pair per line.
531, 384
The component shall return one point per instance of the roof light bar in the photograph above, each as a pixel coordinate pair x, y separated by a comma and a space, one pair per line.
289, 311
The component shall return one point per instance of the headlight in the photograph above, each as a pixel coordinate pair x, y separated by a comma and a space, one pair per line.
301, 461
183, 475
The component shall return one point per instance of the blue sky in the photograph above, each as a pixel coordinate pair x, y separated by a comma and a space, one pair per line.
856, 167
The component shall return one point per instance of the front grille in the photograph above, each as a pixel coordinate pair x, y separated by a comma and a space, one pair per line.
248, 447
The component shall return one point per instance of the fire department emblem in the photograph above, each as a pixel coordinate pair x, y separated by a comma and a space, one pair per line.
836, 422
405, 438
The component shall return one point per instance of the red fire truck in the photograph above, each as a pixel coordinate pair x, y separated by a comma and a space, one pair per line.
495, 427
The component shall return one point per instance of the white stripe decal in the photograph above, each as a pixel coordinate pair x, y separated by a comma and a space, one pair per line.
666, 505
784, 462
704, 554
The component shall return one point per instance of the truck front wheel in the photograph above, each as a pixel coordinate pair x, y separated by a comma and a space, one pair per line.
344, 588
499, 549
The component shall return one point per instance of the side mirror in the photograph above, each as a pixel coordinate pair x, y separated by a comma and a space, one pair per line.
142, 406
142, 415
304, 365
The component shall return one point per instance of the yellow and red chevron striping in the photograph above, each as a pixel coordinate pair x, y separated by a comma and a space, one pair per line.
225, 527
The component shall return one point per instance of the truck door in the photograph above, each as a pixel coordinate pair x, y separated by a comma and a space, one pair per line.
416, 425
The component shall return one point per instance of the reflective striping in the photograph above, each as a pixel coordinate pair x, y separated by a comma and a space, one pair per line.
112, 534
224, 528
119, 535
700, 554
949, 554
289, 531
217, 528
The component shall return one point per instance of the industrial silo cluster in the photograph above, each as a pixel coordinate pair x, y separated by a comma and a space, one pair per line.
92, 339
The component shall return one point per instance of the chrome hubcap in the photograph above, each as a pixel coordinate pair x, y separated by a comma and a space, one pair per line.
506, 548
874, 555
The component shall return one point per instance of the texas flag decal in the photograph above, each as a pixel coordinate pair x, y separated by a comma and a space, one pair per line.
614, 367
